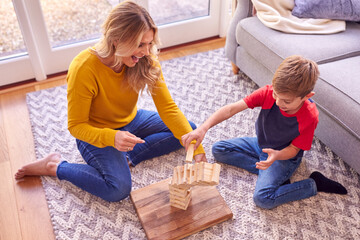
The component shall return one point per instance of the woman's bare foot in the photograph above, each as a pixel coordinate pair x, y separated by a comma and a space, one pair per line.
44, 167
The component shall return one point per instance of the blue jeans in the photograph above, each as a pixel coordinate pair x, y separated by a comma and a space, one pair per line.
269, 191
107, 174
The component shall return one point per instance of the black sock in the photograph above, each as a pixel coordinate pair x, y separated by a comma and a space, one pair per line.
324, 184
286, 182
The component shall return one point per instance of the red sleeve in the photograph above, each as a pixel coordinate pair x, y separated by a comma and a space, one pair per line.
307, 125
259, 97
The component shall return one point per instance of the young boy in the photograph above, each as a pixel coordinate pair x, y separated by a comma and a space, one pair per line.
284, 128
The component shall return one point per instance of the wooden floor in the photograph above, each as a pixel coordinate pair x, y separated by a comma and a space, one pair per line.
23, 209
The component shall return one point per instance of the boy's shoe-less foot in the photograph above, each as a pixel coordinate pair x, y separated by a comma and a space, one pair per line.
324, 184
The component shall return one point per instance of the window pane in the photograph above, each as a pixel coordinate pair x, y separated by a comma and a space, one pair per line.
169, 11
70, 21
11, 41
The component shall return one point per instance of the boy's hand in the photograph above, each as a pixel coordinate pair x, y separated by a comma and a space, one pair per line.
272, 157
198, 135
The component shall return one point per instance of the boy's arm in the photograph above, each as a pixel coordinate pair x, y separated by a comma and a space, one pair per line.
273, 155
220, 115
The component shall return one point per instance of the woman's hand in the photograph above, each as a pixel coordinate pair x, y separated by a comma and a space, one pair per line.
200, 158
198, 135
125, 141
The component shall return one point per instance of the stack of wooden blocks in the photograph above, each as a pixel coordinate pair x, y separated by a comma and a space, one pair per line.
181, 216
189, 175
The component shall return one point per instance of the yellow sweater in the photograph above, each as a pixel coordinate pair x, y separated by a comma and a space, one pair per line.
99, 101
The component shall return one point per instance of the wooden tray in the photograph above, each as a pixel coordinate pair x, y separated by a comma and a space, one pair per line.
162, 221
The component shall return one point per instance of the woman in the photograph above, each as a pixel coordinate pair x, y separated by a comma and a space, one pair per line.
104, 83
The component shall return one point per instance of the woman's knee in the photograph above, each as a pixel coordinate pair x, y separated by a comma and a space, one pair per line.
117, 191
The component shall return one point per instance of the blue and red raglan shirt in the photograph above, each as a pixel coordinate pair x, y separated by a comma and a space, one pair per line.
276, 129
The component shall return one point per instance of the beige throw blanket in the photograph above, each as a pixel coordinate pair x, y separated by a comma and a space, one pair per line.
276, 14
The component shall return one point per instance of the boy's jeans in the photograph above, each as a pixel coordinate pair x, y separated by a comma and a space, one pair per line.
245, 152
107, 173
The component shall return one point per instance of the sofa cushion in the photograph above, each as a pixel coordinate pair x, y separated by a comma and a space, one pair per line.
271, 47
343, 75
329, 9
337, 92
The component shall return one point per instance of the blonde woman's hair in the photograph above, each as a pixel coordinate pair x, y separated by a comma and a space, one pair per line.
296, 75
122, 33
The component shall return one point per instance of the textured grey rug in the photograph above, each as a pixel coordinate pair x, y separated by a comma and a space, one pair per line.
199, 84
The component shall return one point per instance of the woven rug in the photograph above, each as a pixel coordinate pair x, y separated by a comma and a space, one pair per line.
199, 84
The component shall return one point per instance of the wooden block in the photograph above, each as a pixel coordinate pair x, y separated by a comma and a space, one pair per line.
190, 153
196, 172
162, 221
179, 174
174, 177
208, 166
180, 192
210, 174
216, 173
202, 168
179, 206
191, 174
185, 174
207, 172
182, 176
181, 202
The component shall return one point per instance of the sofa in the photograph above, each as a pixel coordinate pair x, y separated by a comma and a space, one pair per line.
258, 50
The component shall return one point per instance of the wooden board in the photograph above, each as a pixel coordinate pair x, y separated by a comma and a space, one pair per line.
162, 221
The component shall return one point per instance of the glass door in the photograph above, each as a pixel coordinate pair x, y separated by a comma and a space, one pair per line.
15, 64
184, 21
53, 32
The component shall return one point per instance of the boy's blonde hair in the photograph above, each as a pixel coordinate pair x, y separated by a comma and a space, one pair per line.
295, 75
122, 33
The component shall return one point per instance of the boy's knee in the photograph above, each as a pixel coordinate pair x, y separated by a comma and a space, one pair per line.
218, 151
118, 192
261, 200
